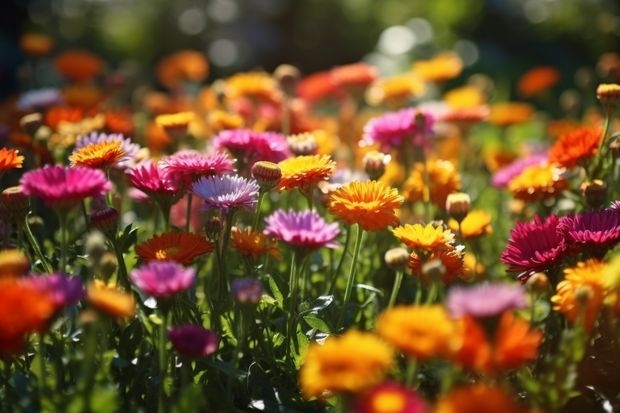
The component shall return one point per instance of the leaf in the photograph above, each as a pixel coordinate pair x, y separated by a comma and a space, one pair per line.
317, 323
191, 399
277, 294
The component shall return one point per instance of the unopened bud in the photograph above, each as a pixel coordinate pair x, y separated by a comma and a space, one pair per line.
457, 205
108, 265
106, 221
538, 283
267, 174
433, 270
595, 193
213, 227
31, 123
396, 258
609, 95
614, 145
375, 163
302, 144
14, 204
287, 76
95, 247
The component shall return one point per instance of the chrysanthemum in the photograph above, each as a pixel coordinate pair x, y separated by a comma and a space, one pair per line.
182, 247
175, 122
317, 86
248, 146
537, 182
63, 290
451, 259
128, 149
150, 179
516, 343
584, 279
162, 279
575, 147
111, 301
350, 363
475, 224
478, 398
253, 244
438, 177
193, 341
392, 129
189, 165
595, 232
305, 171
502, 177
10, 159
510, 113
182, 65
418, 331
304, 229
485, 300
103, 155
534, 246
227, 192
537, 80
466, 97
370, 204
428, 237
390, 397
63, 186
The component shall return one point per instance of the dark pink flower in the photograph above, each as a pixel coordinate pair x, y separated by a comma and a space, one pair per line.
393, 128
193, 341
162, 279
596, 231
249, 146
303, 229
150, 179
189, 165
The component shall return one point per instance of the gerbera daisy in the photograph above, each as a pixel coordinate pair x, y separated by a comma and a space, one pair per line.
538, 182
187, 166
253, 85
475, 224
104, 154
595, 232
537, 80
370, 204
162, 279
390, 397
129, 149
485, 300
443, 179
502, 177
305, 171
576, 147
253, 244
227, 193
351, 363
305, 230
10, 159
111, 301
429, 237
193, 341
248, 146
534, 246
478, 398
182, 247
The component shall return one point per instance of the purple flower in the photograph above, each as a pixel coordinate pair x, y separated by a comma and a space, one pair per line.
162, 279
303, 229
64, 186
193, 341
247, 290
391, 129
485, 300
249, 146
534, 246
596, 231
502, 177
63, 290
39, 99
227, 192
189, 165
130, 149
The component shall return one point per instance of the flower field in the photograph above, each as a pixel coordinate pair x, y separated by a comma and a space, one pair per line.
337, 241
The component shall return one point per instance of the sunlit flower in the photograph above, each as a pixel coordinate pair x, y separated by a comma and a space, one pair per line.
119, 122
351, 363
370, 204
128, 149
392, 129
538, 182
534, 246
162, 279
442, 67
485, 300
510, 113
451, 259
104, 154
227, 192
253, 244
219, 120
254, 85
466, 97
62, 114
82, 95
182, 247
78, 65
248, 146
150, 179
516, 343
111, 301
575, 147
10, 159
475, 224
478, 398
608, 94
429, 237
304, 171
317, 86
502, 177
188, 166
537, 80
418, 331
595, 232
304, 229
13, 263
63, 186
193, 341
354, 75
585, 278
395, 90
438, 177
180, 66
390, 397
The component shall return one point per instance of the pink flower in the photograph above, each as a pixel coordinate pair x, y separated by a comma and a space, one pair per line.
304, 229
62, 289
502, 177
595, 232
62, 186
249, 146
189, 165
150, 179
193, 341
393, 128
162, 279
485, 300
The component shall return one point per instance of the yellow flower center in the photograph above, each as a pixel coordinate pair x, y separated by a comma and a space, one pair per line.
166, 253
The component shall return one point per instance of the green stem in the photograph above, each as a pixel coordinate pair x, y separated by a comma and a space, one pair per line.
37, 249
598, 160
85, 215
225, 242
259, 203
293, 285
88, 369
410, 373
334, 276
41, 370
398, 278
121, 273
64, 241
162, 361
188, 214
351, 276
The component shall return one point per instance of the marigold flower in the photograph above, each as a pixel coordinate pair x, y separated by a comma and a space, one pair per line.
475, 224
371, 205
227, 192
588, 274
429, 237
451, 259
108, 299
418, 331
253, 244
390, 397
182, 65
306, 230
304, 171
395, 90
78, 65
443, 179
537, 80
510, 113
254, 85
10, 159
182, 247
162, 279
351, 363
97, 155
441, 67
193, 341
478, 398
576, 147
538, 182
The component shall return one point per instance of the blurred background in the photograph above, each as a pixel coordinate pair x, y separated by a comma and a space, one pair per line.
510, 36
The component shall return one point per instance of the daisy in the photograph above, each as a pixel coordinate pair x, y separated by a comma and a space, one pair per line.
304, 229
182, 247
188, 166
305, 171
227, 193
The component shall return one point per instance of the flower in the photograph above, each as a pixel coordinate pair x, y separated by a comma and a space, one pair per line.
537, 182
161, 279
392, 129
515, 343
467, 97
63, 186
227, 192
103, 154
182, 65
354, 75
351, 363
175, 122
13, 263
475, 224
246, 290
371, 205
428, 237
188, 166
608, 94
267, 174
442, 67
38, 99
128, 149
303, 229
304, 171
510, 113
254, 85
485, 299
317, 86
389, 397
193, 341
395, 90
418, 331
575, 147
253, 244
586, 276
248, 146
443, 179
78, 65
534, 246
502, 177
452, 260
62, 290
10, 159
36, 44
537, 80
182, 247
108, 299
150, 179
595, 232
478, 398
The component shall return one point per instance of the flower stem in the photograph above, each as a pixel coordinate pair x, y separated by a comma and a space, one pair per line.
410, 373
398, 278
162, 362
37, 249
293, 285
121, 274
351, 276
259, 203
188, 214
64, 241
334, 276
88, 366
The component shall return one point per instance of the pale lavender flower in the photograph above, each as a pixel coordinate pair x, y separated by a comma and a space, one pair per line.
193, 341
227, 192
162, 279
484, 300
302, 229
502, 177
130, 149
246, 290
39, 99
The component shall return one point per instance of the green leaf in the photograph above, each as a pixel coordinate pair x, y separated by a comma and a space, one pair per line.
277, 294
317, 323
191, 399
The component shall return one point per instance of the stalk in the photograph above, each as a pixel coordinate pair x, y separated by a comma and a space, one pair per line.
351, 276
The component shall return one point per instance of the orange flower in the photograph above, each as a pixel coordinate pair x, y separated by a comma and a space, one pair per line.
581, 293
369, 204
177, 67
98, 155
356, 74
182, 247
478, 398
443, 179
510, 113
253, 244
110, 300
118, 121
442, 67
427, 238
451, 259
537, 80
253, 85
472, 268
555, 128
219, 120
175, 122
476, 224
58, 114
10, 159
395, 90
78, 65
36, 44
157, 139
304, 171
83, 96
418, 331
575, 147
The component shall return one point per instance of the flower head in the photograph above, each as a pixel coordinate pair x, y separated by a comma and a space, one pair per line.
428, 237
304, 171
442, 67
227, 192
510, 113
189, 165
13, 263
595, 232
253, 244
395, 90
161, 279
502, 177
10, 159
303, 229
392, 129
485, 300
63, 290
475, 224
443, 179
253, 85
246, 290
248, 146
478, 398
39, 99
193, 341
182, 247
575, 147
150, 179
78, 65
452, 260
180, 66
99, 142
104, 154
108, 299
537, 182
537, 80
390, 397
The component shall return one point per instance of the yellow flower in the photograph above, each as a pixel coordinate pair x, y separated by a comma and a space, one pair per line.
253, 85
476, 224
465, 97
13, 263
370, 204
611, 280
442, 67
303, 171
428, 238
443, 179
537, 182
351, 363
253, 244
395, 90
98, 155
172, 122
110, 300
510, 113
419, 331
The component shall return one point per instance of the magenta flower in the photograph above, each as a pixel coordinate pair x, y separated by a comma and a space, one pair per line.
227, 192
193, 341
189, 165
534, 246
63, 290
162, 279
393, 128
249, 146
502, 177
130, 149
303, 229
615, 206
246, 290
596, 231
484, 300
62, 186
150, 179
401, 399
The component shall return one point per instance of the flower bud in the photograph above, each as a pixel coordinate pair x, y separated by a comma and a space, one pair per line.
108, 265
30, 123
14, 204
457, 205
287, 76
13, 263
433, 270
396, 258
106, 221
609, 95
595, 193
537, 282
213, 227
375, 163
193, 341
267, 174
302, 144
